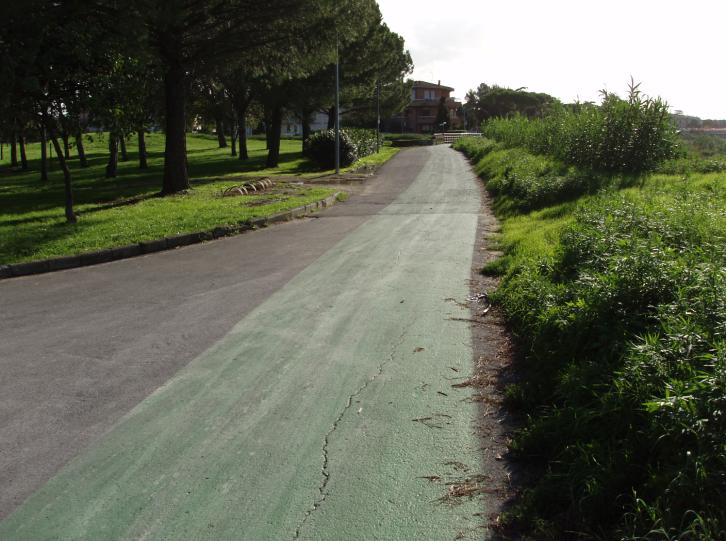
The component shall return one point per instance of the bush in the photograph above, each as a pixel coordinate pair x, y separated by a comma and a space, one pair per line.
625, 371
364, 140
354, 144
321, 149
475, 148
528, 181
630, 136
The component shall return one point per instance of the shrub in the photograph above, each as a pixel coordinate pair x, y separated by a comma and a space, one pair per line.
475, 148
528, 181
630, 136
625, 372
364, 140
321, 149
355, 143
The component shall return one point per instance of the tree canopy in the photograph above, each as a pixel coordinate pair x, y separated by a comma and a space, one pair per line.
499, 102
173, 64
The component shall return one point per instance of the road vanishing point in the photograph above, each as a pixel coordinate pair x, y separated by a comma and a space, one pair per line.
289, 383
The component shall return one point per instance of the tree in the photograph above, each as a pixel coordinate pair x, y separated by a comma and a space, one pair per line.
45, 48
495, 102
192, 38
238, 89
442, 114
370, 56
124, 97
377, 57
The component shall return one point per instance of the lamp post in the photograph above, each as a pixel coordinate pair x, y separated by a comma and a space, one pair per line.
337, 107
378, 116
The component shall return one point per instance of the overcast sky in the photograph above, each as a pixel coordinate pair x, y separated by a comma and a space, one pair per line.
571, 48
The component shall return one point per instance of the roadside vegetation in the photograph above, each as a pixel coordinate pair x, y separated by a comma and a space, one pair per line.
614, 283
127, 209
354, 144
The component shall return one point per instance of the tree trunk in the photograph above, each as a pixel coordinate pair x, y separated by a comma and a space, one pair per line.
43, 155
81, 150
240, 108
233, 136
66, 146
176, 177
331, 118
14, 150
273, 154
122, 142
267, 115
221, 139
143, 164
23, 157
305, 120
70, 215
242, 131
112, 165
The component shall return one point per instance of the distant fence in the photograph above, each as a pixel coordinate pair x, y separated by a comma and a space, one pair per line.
449, 137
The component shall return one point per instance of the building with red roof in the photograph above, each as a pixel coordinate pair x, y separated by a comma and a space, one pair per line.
420, 114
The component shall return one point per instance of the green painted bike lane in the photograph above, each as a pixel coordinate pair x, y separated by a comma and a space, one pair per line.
319, 416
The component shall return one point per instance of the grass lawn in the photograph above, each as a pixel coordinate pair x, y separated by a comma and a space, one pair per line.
32, 224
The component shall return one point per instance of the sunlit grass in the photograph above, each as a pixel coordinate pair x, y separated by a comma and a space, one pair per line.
32, 224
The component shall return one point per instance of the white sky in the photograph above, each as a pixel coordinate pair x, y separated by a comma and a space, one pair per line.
570, 48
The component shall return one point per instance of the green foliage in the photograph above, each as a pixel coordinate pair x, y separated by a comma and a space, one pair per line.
625, 373
526, 180
618, 301
699, 154
496, 102
365, 140
407, 136
442, 115
630, 136
705, 145
354, 144
321, 149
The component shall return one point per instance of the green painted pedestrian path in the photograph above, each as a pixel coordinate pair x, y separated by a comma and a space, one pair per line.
319, 415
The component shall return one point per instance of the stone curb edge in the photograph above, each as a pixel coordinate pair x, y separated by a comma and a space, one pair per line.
151, 246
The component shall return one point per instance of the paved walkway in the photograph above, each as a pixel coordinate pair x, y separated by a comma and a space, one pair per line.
290, 383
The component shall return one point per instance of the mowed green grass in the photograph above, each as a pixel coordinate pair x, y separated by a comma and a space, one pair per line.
32, 223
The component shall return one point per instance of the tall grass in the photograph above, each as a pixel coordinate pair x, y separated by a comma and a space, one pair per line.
524, 181
617, 295
625, 372
630, 136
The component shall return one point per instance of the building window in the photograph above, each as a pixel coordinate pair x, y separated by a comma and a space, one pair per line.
428, 94
425, 112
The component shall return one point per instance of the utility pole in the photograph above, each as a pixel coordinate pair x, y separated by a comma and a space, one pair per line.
337, 107
378, 116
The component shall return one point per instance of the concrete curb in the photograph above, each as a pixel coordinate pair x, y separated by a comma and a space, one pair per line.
151, 246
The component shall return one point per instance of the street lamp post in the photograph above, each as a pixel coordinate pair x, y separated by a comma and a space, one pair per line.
378, 116
337, 107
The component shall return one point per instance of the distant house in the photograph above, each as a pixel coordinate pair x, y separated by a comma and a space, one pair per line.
420, 114
292, 127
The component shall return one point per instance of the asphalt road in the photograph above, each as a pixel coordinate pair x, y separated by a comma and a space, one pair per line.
289, 383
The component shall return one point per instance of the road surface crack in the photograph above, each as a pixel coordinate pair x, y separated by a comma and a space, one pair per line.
324, 471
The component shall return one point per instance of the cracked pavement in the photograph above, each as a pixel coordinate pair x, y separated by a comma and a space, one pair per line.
298, 421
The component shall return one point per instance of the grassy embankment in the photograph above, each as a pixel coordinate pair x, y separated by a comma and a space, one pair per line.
32, 224
615, 287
